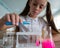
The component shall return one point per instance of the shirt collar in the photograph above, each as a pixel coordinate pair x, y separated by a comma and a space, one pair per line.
35, 19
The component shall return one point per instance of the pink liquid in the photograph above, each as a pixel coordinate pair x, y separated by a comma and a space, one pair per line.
48, 44
37, 42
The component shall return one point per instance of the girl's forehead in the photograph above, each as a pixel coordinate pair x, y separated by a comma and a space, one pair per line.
39, 1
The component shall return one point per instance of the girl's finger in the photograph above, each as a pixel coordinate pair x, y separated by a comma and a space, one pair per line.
13, 18
16, 19
8, 17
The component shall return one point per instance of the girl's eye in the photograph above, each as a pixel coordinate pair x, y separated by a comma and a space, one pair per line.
34, 4
41, 6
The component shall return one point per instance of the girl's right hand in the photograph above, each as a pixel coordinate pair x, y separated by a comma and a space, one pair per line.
14, 18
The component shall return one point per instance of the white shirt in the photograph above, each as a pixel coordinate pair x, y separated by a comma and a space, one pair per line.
35, 25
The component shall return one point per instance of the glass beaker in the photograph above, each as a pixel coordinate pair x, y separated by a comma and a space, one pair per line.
1, 39
47, 41
8, 40
26, 39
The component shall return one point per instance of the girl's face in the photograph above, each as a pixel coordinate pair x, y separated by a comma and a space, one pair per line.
36, 6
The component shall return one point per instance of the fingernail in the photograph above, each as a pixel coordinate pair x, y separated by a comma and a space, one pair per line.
13, 23
16, 23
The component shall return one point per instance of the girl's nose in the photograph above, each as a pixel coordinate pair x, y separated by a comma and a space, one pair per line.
37, 7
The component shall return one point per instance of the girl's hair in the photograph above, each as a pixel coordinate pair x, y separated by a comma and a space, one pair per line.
26, 9
49, 16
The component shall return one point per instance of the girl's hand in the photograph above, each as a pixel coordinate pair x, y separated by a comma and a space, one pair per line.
14, 18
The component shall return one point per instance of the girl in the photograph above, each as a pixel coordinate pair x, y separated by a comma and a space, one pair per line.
30, 12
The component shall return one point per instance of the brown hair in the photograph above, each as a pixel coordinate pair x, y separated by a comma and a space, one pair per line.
26, 9
49, 16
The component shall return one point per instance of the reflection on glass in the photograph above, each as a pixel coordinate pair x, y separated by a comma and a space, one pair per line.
1, 39
8, 40
27, 40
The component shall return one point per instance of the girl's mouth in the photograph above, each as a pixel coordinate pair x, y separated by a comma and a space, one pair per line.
35, 12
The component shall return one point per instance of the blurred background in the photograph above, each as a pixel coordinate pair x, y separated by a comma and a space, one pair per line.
10, 6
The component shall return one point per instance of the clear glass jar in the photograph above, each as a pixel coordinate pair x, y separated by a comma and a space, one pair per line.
47, 41
1, 39
8, 40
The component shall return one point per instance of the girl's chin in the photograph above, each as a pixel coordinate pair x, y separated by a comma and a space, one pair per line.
35, 14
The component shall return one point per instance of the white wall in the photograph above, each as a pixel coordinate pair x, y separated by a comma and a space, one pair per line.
15, 5
3, 11
57, 21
